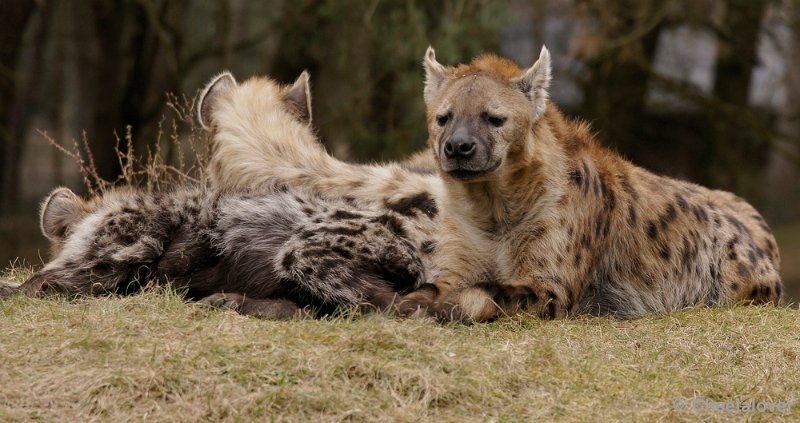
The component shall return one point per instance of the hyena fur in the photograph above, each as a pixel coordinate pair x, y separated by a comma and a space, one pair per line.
269, 254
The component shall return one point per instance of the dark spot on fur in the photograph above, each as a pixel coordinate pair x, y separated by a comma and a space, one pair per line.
652, 230
288, 260
343, 230
409, 206
734, 286
577, 177
344, 214
681, 202
586, 241
578, 258
428, 246
664, 252
632, 215
742, 269
308, 211
392, 223
347, 254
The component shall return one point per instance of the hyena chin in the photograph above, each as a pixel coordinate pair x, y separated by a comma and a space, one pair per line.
538, 217
269, 254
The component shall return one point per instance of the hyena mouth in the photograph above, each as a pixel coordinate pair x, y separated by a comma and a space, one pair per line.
470, 174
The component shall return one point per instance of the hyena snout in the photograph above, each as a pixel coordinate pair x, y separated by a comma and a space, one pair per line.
464, 155
459, 147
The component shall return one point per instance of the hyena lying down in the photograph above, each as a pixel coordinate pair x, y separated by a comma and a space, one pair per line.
262, 137
536, 216
265, 254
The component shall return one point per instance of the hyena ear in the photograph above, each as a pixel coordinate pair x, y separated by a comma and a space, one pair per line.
60, 209
210, 95
298, 98
535, 82
435, 74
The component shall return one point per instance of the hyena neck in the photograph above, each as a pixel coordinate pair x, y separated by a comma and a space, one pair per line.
530, 184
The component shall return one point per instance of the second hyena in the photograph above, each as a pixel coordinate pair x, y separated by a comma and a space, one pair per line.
262, 137
538, 216
269, 254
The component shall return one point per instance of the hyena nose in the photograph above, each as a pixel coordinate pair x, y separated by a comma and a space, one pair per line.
461, 148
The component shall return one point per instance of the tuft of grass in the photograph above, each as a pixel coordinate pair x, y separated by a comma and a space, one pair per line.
153, 356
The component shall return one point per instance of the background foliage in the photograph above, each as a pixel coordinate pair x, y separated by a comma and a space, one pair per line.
703, 90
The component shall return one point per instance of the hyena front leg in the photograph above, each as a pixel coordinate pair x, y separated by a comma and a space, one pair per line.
272, 309
542, 297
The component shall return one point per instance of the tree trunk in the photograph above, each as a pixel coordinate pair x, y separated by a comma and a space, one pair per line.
15, 16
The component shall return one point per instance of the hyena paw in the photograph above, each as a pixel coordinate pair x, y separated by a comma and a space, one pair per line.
414, 304
224, 301
7, 289
263, 309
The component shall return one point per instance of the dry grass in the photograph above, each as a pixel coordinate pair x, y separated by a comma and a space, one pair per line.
154, 357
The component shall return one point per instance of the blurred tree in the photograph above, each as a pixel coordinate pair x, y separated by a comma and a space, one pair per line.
367, 75
14, 16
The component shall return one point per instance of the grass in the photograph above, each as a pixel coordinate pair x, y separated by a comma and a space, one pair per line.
788, 237
154, 357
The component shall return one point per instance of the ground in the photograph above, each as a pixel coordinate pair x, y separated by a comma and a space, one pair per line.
154, 357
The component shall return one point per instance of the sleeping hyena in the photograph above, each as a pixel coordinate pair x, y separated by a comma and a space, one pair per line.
274, 254
538, 216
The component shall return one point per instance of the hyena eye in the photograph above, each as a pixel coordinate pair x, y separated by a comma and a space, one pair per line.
443, 119
495, 121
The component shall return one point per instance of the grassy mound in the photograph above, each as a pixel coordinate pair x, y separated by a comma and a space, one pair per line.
152, 356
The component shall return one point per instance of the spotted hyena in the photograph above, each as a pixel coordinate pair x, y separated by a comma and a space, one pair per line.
270, 254
526, 211
262, 137
538, 216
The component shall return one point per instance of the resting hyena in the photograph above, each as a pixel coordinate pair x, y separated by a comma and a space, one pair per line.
265, 254
262, 137
538, 216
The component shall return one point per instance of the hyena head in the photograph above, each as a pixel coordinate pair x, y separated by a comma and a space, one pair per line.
481, 114
223, 99
95, 245
247, 121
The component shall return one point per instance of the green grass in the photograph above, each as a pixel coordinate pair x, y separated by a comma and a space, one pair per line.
154, 357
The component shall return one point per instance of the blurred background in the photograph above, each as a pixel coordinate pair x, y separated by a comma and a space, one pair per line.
704, 90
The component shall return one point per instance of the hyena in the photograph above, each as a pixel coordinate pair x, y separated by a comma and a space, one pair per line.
262, 137
538, 216
270, 254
